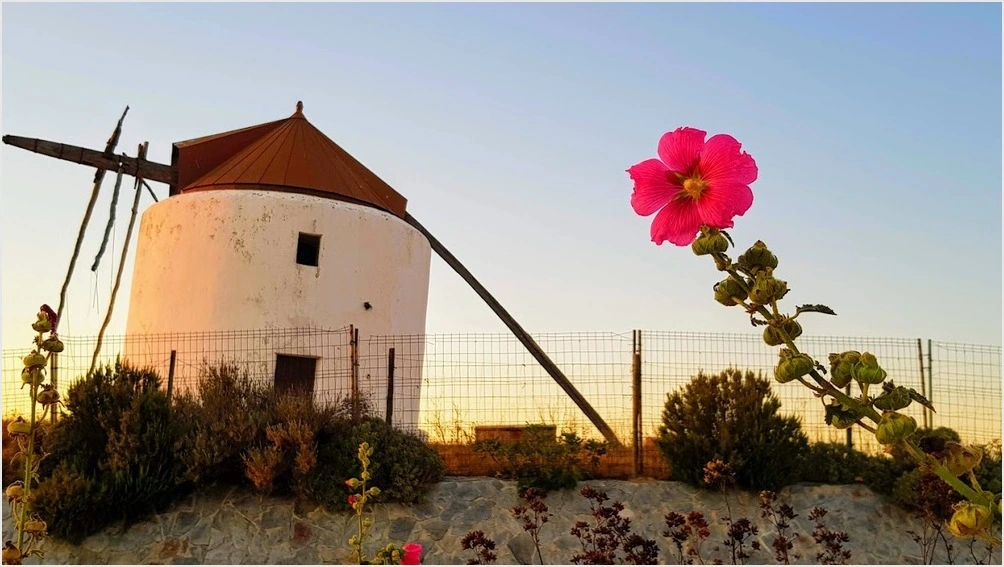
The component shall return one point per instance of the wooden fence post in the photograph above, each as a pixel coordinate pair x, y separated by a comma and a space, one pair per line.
354, 357
390, 386
170, 375
636, 427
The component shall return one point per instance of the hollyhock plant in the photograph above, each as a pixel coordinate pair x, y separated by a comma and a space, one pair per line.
698, 187
694, 183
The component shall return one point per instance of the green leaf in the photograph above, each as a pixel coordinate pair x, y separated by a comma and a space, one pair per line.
814, 308
757, 322
920, 399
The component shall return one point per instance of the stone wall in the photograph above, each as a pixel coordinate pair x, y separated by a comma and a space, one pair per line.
238, 527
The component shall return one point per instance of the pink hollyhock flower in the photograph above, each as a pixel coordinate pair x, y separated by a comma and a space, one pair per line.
694, 183
352, 500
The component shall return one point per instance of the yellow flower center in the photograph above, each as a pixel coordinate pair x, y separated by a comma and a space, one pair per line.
693, 187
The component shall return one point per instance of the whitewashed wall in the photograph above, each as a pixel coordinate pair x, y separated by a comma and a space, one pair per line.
225, 260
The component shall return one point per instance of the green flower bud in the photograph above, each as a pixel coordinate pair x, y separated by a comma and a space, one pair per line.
959, 460
767, 288
772, 336
841, 365
48, 395
867, 370
728, 289
34, 359
757, 258
374, 491
969, 519
792, 366
896, 399
18, 427
32, 376
42, 325
894, 427
710, 242
52, 344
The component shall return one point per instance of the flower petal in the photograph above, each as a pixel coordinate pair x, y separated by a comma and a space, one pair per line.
652, 188
722, 160
678, 223
681, 148
722, 201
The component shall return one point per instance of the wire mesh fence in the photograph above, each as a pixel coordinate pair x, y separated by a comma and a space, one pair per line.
453, 388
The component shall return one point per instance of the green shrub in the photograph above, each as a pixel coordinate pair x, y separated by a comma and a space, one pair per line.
402, 466
835, 463
733, 417
115, 448
543, 462
923, 492
225, 419
71, 503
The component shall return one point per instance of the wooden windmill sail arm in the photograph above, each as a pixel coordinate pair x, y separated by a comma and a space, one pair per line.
517, 330
94, 158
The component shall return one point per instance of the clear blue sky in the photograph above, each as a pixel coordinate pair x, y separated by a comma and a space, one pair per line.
877, 129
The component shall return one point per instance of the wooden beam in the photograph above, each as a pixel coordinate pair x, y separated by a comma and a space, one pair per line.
136, 167
517, 330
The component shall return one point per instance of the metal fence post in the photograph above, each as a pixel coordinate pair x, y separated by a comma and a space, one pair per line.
923, 386
170, 375
930, 381
636, 427
390, 386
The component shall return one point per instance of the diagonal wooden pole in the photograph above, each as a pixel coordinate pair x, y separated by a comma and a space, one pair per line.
517, 330
99, 177
122, 261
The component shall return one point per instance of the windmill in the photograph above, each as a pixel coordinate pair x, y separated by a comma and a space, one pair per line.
244, 162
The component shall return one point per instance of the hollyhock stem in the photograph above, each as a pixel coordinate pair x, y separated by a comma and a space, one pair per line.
946, 475
825, 385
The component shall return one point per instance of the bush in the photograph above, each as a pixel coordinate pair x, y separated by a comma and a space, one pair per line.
835, 463
71, 503
242, 432
402, 466
543, 462
733, 417
112, 457
224, 421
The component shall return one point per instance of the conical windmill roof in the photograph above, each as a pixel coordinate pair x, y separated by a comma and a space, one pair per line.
285, 155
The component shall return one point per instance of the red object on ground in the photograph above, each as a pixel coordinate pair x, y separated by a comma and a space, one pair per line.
412, 554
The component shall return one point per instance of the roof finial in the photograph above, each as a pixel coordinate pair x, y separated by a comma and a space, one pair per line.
299, 107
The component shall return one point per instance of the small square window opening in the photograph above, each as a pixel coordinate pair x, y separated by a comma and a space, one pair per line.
308, 248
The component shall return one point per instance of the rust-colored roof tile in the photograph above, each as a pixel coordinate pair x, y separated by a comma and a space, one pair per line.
287, 155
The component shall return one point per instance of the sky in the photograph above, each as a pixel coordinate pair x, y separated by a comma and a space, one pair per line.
876, 128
